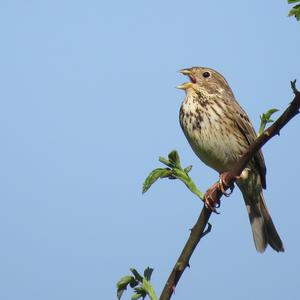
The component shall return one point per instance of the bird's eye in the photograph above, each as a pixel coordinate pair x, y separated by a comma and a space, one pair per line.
206, 74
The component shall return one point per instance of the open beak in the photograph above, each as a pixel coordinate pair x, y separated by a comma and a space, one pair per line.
187, 85
184, 86
185, 72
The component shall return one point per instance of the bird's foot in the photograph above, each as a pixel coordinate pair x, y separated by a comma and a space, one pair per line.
223, 186
209, 201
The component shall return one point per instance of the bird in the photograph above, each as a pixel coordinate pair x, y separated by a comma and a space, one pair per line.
219, 132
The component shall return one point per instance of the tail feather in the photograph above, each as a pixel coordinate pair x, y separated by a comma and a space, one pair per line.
263, 228
258, 230
272, 234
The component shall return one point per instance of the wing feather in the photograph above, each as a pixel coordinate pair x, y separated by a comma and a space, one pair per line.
249, 133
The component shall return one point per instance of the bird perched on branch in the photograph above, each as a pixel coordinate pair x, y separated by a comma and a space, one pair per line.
219, 131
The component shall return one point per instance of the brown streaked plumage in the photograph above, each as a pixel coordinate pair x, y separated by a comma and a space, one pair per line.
219, 131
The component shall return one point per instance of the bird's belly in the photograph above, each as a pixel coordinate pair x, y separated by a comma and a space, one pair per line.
214, 149
211, 140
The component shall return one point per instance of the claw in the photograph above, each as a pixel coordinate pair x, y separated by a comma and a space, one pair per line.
209, 202
223, 186
211, 206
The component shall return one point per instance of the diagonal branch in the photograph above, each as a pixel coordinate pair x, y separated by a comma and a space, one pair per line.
198, 231
270, 132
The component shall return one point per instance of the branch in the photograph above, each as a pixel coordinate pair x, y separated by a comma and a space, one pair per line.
274, 129
197, 231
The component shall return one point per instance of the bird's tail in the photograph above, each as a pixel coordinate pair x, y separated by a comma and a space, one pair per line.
263, 228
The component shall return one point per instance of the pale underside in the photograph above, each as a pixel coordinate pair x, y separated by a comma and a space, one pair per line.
216, 148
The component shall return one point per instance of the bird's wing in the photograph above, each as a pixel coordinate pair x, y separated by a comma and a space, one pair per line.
249, 133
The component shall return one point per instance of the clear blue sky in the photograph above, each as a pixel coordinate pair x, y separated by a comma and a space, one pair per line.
88, 103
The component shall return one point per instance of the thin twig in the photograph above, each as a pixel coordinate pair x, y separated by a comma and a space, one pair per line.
197, 232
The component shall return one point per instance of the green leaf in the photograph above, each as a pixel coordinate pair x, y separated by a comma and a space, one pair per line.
153, 176
136, 274
174, 171
270, 112
174, 159
137, 296
265, 118
141, 285
149, 289
165, 161
188, 169
120, 293
133, 283
124, 280
140, 289
147, 273
122, 285
295, 11
139, 292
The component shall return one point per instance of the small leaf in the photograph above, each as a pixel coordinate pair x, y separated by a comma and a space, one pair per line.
136, 296
188, 169
295, 11
174, 159
124, 280
120, 293
133, 283
139, 292
149, 289
265, 118
175, 171
165, 161
147, 273
122, 285
293, 1
136, 274
153, 176
270, 112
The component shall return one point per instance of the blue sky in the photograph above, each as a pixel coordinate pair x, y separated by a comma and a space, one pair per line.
88, 103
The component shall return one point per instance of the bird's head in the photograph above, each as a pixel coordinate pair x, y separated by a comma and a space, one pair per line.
204, 80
